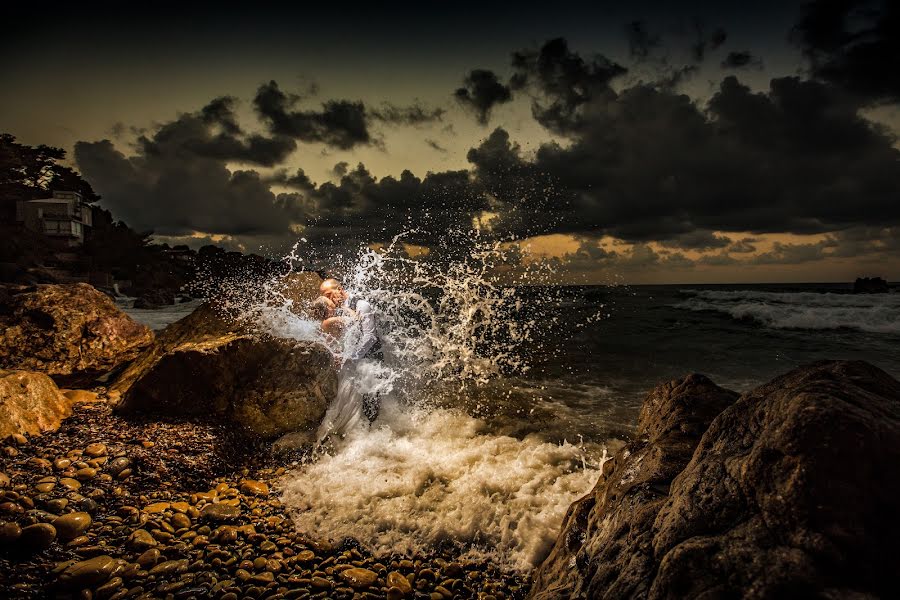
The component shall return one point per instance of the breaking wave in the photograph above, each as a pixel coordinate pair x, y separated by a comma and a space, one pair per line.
871, 313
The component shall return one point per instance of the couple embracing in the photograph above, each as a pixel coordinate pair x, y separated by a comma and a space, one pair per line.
350, 324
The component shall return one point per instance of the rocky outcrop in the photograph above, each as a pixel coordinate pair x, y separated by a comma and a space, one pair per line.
870, 285
30, 404
790, 493
73, 333
206, 365
605, 548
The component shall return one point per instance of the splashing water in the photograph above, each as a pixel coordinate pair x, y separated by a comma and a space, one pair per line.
426, 473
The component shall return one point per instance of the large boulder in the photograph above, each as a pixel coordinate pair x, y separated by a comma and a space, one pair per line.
207, 365
791, 493
605, 548
73, 332
30, 403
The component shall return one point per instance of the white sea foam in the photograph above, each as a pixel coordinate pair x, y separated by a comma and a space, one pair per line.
422, 478
874, 313
426, 472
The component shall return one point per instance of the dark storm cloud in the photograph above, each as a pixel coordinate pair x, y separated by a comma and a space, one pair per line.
213, 132
854, 44
481, 92
435, 145
706, 43
743, 246
640, 41
414, 115
176, 193
341, 124
741, 59
697, 240
563, 82
362, 208
646, 163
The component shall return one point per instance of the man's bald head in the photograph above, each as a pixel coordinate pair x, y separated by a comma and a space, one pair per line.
332, 289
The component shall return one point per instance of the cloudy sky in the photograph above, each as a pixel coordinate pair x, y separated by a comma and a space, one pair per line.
632, 141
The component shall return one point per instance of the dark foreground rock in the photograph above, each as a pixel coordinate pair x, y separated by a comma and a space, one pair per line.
108, 507
30, 403
73, 332
205, 365
791, 493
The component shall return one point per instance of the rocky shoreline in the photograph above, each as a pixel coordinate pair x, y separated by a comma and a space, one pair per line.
113, 507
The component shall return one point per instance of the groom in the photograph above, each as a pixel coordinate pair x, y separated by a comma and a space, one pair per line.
369, 345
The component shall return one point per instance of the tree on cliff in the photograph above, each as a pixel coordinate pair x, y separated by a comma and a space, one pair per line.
28, 172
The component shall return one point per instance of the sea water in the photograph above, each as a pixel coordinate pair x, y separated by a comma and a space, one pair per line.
505, 398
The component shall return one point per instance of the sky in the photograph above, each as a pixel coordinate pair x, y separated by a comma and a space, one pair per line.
635, 142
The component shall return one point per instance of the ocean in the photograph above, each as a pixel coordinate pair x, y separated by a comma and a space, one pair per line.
489, 460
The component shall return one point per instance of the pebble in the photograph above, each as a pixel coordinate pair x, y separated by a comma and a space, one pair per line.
37, 537
72, 525
141, 540
118, 465
4, 480
180, 521
170, 566
87, 572
9, 533
359, 578
95, 450
254, 488
149, 558
219, 512
399, 581
157, 507
61, 463
68, 482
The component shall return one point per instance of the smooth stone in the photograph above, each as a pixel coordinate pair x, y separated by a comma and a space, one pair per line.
118, 465
38, 537
263, 578
45, 487
61, 463
359, 578
140, 540
9, 533
149, 558
180, 521
68, 482
109, 588
4, 480
254, 488
87, 572
57, 505
156, 507
320, 583
181, 507
85, 474
72, 525
220, 512
95, 450
170, 566
395, 593
399, 581
305, 556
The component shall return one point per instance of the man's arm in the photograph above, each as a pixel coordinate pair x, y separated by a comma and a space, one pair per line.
368, 336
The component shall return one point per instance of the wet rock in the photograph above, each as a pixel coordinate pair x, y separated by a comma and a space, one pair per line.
4, 480
359, 578
141, 540
87, 572
254, 488
72, 525
149, 557
96, 449
219, 512
117, 465
180, 521
85, 474
37, 537
68, 482
399, 581
30, 402
9, 533
73, 333
156, 507
267, 387
170, 567
772, 502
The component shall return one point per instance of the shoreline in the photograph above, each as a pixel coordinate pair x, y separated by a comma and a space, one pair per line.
210, 505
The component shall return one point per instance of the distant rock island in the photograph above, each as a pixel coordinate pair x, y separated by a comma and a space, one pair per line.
870, 285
